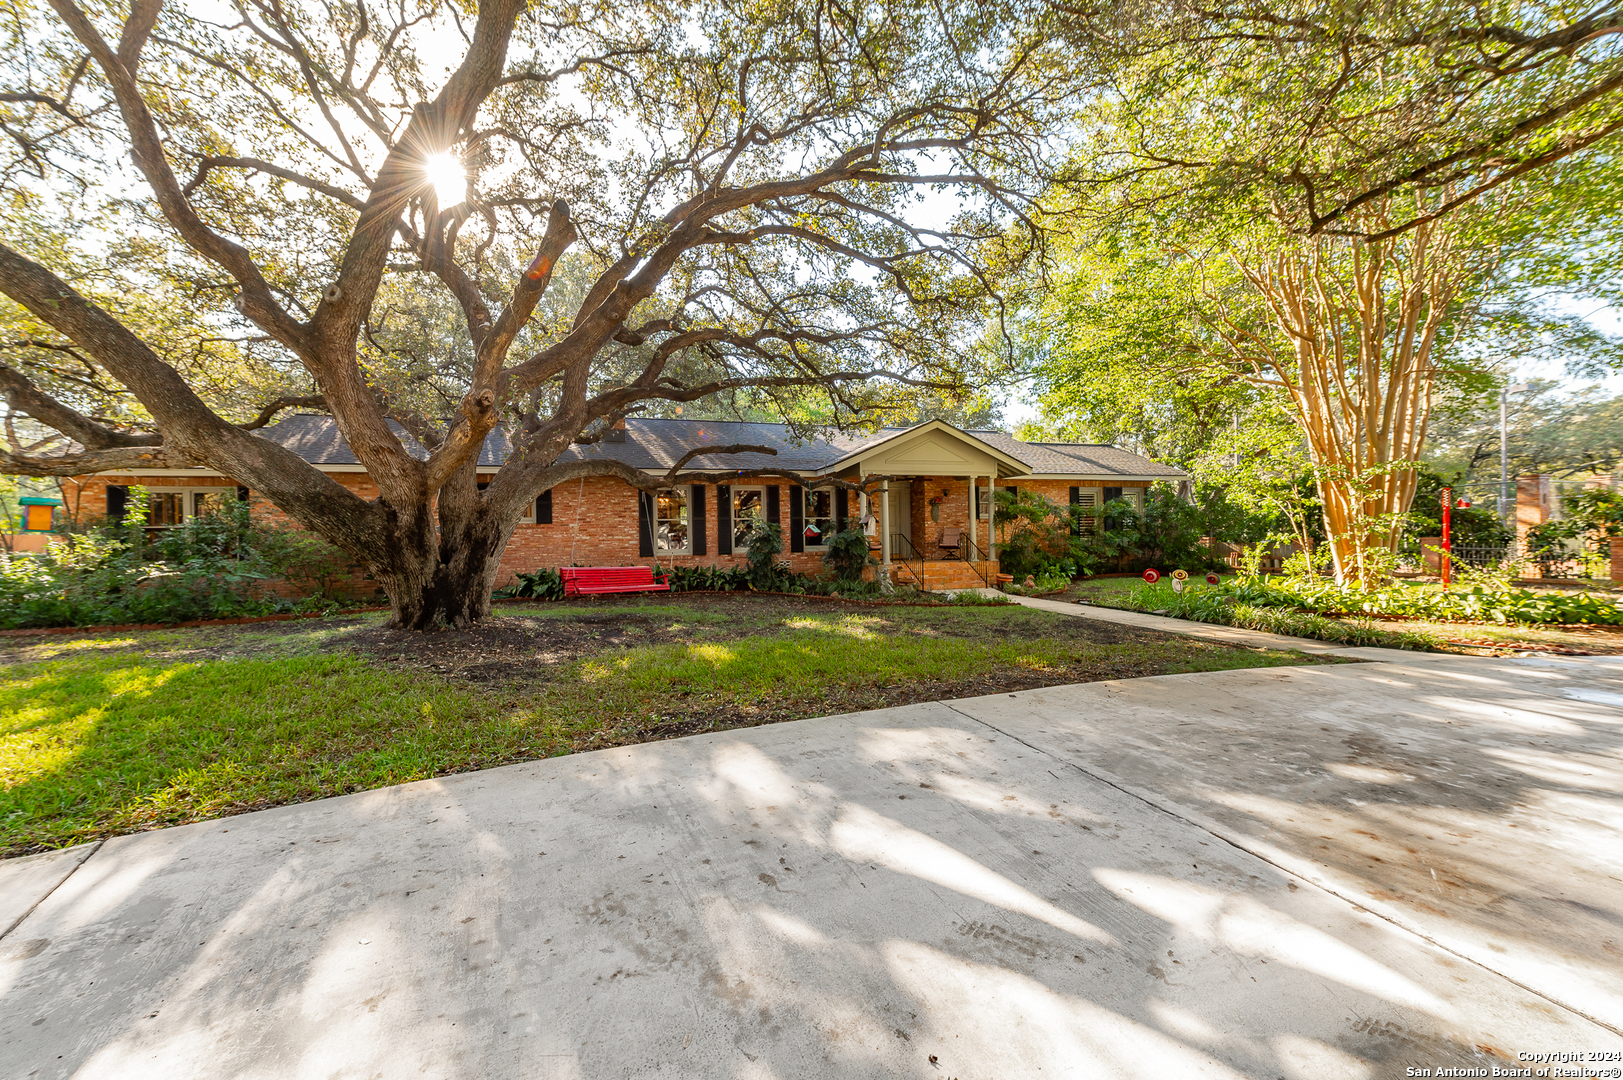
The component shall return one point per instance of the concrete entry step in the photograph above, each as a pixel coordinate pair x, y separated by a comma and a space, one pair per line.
946, 574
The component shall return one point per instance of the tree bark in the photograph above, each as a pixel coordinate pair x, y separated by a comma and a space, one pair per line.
1361, 325
440, 577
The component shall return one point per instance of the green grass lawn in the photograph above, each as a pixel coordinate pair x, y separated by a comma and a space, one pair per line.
115, 733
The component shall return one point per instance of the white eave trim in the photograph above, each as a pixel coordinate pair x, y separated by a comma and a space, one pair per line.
1105, 478
207, 473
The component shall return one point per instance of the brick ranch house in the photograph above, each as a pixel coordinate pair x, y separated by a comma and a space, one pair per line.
918, 485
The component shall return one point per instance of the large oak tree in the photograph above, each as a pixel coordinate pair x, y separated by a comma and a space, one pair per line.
726, 196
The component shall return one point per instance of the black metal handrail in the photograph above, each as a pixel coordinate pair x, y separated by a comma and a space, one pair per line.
903, 551
976, 558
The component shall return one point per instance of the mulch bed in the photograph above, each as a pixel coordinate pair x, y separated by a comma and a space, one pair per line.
513, 647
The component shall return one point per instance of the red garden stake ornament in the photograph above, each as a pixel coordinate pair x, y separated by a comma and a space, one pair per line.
1152, 575
1211, 579
1448, 547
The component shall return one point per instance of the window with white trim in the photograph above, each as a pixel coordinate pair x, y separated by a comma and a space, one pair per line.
749, 506
821, 524
168, 507
672, 535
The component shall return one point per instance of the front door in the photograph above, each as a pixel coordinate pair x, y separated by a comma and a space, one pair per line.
900, 512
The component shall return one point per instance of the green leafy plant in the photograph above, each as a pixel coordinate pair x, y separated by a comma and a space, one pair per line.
707, 578
1475, 604
1201, 604
763, 545
848, 556
544, 584
219, 564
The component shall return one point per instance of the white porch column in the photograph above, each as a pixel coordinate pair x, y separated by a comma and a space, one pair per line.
884, 524
991, 512
970, 532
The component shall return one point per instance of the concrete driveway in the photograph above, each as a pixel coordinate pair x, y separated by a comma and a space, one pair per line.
1344, 871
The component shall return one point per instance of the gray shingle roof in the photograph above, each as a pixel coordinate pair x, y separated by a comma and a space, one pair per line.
317, 439
1078, 458
656, 445
659, 444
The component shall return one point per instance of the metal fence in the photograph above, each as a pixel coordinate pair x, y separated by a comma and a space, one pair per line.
1552, 564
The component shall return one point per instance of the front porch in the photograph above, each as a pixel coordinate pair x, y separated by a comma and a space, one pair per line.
927, 504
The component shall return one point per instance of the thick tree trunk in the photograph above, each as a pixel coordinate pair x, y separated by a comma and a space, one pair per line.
445, 575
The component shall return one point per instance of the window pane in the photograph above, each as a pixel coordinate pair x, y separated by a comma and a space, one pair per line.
206, 501
820, 523
671, 520
748, 508
167, 508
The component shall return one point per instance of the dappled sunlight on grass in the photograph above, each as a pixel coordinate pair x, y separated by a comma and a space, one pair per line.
851, 626
50, 649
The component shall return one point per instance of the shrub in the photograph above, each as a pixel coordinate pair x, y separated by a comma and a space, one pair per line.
848, 556
1210, 605
216, 565
707, 578
764, 544
1478, 603
543, 584
1037, 536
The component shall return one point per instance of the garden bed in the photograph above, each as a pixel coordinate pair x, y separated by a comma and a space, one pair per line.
1384, 628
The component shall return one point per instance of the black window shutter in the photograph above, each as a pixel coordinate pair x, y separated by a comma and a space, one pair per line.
842, 508
645, 524
797, 519
118, 501
772, 506
724, 519
242, 493
1076, 522
696, 519
543, 508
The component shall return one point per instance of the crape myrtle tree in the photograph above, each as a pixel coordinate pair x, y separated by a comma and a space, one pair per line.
726, 198
1344, 208
1191, 317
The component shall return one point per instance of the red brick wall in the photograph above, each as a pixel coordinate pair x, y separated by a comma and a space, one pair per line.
953, 512
594, 522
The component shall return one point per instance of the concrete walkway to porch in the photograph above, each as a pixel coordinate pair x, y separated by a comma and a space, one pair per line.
1343, 870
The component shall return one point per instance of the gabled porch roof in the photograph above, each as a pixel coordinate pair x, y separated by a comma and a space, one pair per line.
933, 448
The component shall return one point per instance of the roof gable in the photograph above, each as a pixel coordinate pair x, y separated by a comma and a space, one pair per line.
934, 447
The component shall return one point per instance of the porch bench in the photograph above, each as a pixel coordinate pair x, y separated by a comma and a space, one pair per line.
610, 579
